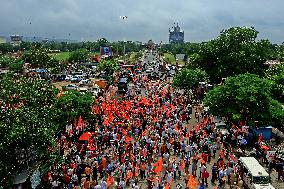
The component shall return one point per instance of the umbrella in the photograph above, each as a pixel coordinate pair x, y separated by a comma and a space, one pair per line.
86, 136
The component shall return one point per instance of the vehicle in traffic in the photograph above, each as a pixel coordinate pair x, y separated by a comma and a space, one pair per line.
68, 77
122, 84
77, 78
95, 90
83, 90
85, 82
149, 70
60, 77
71, 87
253, 174
221, 126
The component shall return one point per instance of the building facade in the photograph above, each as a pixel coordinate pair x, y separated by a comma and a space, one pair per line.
176, 35
16, 40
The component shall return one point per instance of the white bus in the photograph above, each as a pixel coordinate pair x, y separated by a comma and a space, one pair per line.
253, 174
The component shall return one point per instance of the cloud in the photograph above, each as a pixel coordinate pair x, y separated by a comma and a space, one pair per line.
201, 20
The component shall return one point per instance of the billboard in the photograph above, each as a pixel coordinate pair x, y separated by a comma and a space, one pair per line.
106, 51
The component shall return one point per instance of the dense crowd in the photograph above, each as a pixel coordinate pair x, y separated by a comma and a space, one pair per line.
151, 137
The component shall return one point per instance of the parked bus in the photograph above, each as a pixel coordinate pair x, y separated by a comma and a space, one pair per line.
253, 174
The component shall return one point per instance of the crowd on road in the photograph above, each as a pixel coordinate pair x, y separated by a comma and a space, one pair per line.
158, 139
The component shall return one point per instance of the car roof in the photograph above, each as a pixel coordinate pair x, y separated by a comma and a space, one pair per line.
123, 80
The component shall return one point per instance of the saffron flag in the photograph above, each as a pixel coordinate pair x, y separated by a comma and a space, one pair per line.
109, 180
158, 165
127, 139
191, 182
182, 165
168, 185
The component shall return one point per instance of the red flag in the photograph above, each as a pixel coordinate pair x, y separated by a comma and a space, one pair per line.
109, 180
80, 123
260, 139
75, 123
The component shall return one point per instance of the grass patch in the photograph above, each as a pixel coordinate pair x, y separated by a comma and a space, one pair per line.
171, 59
61, 56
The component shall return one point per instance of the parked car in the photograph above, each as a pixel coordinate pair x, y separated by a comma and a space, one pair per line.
83, 90
85, 82
76, 78
71, 87
221, 126
149, 70
68, 77
95, 91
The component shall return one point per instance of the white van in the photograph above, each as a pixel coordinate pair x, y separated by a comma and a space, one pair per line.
253, 174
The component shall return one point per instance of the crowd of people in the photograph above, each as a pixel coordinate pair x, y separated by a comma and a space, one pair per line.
151, 137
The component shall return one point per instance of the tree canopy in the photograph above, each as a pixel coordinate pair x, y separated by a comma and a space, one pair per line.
79, 55
244, 97
38, 57
27, 122
189, 78
276, 75
109, 67
74, 104
235, 51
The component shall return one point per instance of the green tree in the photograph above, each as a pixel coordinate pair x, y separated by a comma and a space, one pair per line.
27, 123
276, 75
189, 79
235, 51
74, 104
280, 52
108, 66
16, 66
79, 55
37, 57
6, 47
5, 61
244, 97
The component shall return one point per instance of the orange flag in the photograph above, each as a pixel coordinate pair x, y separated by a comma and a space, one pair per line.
168, 185
129, 175
109, 181
182, 165
128, 139
158, 165
123, 131
191, 182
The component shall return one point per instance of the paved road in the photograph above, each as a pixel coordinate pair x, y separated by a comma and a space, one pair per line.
148, 58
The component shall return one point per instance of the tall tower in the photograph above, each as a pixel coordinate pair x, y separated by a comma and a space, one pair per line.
176, 35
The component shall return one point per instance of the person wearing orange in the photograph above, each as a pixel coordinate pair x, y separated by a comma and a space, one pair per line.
104, 162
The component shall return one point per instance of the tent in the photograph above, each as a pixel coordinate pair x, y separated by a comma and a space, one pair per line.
86, 136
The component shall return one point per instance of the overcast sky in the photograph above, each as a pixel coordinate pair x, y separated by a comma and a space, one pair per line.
201, 20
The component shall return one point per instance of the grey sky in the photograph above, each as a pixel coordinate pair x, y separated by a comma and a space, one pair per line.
201, 20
